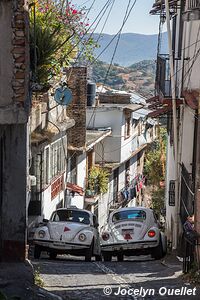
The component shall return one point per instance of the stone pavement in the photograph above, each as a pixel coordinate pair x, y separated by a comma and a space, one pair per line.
17, 280
72, 278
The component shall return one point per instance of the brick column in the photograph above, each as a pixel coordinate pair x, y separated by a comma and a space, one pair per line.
77, 109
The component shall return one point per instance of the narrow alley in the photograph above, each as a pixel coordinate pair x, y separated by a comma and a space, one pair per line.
72, 278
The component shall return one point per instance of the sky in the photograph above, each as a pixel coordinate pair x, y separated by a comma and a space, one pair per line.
139, 20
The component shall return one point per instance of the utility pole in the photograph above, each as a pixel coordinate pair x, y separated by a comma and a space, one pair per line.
173, 91
197, 181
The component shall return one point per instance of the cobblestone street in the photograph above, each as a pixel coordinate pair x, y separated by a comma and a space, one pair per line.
72, 278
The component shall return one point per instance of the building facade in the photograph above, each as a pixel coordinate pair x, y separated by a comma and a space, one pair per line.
14, 135
185, 25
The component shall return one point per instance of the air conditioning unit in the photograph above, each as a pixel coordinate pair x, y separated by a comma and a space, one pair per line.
32, 180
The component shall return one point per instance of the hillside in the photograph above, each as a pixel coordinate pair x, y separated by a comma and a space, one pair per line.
138, 77
132, 47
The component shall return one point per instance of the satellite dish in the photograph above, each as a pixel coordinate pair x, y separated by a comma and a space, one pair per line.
63, 95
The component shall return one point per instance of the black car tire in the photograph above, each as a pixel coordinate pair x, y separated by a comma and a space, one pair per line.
120, 257
52, 255
89, 253
37, 252
157, 252
107, 256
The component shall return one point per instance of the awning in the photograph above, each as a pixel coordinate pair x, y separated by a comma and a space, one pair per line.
75, 188
160, 111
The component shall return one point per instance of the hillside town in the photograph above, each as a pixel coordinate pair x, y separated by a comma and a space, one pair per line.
100, 184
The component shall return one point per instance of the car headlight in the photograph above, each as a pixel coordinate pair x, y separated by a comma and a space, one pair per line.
82, 237
105, 236
41, 234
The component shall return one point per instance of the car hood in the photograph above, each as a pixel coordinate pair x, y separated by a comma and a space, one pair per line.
65, 231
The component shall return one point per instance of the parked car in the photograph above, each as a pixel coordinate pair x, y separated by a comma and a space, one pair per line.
69, 231
132, 231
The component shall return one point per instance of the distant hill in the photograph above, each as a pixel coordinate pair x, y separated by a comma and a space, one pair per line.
132, 47
138, 77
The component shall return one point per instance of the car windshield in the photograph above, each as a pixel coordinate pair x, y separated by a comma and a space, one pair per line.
71, 216
138, 215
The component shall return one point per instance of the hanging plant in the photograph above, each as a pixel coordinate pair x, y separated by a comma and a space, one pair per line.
98, 180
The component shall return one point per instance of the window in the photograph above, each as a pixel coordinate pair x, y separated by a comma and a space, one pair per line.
47, 166
73, 168
138, 215
127, 130
64, 215
115, 184
127, 172
58, 157
172, 193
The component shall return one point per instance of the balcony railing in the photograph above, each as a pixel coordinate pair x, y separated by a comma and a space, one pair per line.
192, 10
163, 78
192, 4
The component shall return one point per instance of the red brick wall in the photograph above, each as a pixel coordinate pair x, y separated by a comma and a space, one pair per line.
77, 109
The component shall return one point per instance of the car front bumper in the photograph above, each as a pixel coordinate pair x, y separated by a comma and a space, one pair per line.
58, 245
119, 247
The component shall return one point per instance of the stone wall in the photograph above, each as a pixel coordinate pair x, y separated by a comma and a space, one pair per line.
77, 82
14, 61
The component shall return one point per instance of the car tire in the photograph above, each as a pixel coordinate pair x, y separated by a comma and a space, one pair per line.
157, 252
107, 256
120, 257
52, 255
88, 253
37, 252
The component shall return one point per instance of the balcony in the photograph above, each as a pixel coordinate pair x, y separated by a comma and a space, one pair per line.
163, 78
192, 10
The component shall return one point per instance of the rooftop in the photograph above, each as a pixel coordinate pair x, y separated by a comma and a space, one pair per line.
94, 136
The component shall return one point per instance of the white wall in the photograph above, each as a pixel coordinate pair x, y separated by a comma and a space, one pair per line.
170, 175
191, 30
101, 118
48, 205
78, 200
188, 138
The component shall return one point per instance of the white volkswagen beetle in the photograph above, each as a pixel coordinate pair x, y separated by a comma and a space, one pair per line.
69, 231
132, 231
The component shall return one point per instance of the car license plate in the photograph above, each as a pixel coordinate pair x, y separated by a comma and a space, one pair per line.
127, 231
59, 244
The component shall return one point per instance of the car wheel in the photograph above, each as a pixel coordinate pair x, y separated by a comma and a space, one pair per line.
37, 251
88, 253
52, 255
98, 257
157, 252
120, 257
107, 256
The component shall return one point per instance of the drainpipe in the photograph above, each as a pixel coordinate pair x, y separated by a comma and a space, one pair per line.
173, 90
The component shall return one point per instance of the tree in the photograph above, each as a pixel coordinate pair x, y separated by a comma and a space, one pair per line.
58, 32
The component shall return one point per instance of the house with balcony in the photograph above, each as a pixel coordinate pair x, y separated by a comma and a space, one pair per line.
185, 25
48, 160
122, 152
